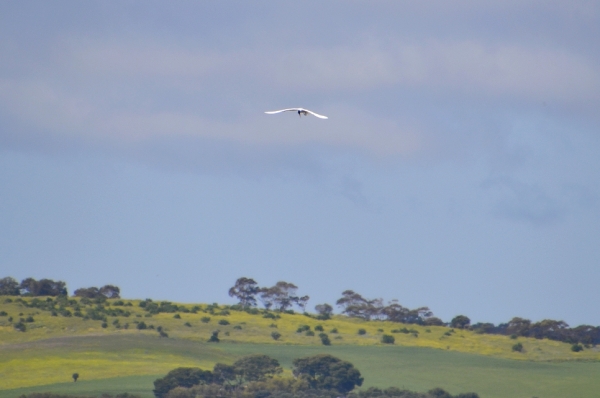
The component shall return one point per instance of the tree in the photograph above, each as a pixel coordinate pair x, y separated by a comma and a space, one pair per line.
257, 367
327, 372
282, 296
354, 305
43, 287
224, 374
324, 311
75, 376
245, 290
9, 287
87, 292
110, 291
460, 322
181, 377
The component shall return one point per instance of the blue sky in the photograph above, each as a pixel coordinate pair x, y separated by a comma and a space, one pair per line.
459, 168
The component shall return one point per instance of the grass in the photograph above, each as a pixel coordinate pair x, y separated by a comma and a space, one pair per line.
116, 360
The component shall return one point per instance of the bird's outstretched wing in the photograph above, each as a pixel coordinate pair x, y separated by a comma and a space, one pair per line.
316, 114
284, 110
296, 110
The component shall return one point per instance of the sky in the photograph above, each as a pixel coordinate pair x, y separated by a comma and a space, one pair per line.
459, 168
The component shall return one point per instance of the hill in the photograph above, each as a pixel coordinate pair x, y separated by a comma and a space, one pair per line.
118, 343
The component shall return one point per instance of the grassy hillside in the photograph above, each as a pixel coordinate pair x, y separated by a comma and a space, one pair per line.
115, 358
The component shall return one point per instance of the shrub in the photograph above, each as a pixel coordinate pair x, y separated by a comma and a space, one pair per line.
237, 327
275, 335
324, 339
189, 325
576, 347
362, 331
205, 319
223, 322
302, 328
104, 325
214, 338
380, 330
177, 316
20, 326
141, 326
513, 336
310, 333
333, 331
517, 347
387, 339
319, 328
3, 313
29, 319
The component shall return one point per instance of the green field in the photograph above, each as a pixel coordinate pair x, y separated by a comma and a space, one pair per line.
128, 360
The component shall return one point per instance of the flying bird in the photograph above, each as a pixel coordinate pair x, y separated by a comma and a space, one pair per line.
301, 111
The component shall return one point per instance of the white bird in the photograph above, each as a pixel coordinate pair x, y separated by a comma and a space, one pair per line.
301, 111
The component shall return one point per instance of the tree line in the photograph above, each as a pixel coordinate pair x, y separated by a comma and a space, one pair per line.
352, 304
31, 287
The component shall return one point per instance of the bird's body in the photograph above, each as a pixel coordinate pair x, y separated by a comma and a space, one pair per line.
301, 111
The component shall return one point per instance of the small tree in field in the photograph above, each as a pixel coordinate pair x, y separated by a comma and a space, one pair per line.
75, 376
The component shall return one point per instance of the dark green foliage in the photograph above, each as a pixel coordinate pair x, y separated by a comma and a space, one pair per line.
257, 367
104, 325
324, 339
309, 333
387, 339
141, 326
162, 307
460, 322
333, 331
328, 372
189, 325
223, 322
181, 377
576, 347
3, 313
75, 376
43, 287
107, 291
20, 326
177, 316
302, 328
362, 331
275, 335
9, 287
270, 315
237, 327
319, 328
394, 392
205, 319
518, 347
29, 319
324, 311
214, 337
224, 373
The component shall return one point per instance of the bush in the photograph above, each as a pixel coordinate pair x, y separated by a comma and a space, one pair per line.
387, 339
205, 319
517, 347
319, 328
333, 331
29, 319
324, 339
576, 347
302, 328
104, 325
141, 326
275, 335
362, 331
3, 313
189, 325
214, 338
223, 322
310, 333
237, 327
20, 326
177, 316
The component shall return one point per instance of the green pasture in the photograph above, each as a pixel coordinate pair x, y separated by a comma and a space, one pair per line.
116, 359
